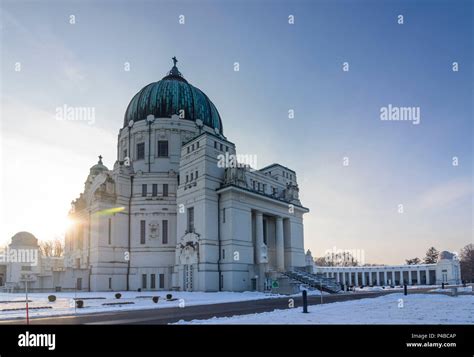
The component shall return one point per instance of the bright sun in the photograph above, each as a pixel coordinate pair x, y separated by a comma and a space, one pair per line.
63, 225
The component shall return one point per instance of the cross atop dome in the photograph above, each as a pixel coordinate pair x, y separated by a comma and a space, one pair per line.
175, 73
100, 159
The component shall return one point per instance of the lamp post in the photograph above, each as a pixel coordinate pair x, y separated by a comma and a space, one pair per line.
25, 278
321, 290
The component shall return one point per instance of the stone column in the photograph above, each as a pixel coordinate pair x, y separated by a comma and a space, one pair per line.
363, 278
401, 277
385, 278
259, 235
357, 278
410, 282
427, 277
370, 277
259, 249
280, 245
344, 277
378, 277
418, 278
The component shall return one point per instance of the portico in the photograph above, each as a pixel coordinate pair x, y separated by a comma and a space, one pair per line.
446, 270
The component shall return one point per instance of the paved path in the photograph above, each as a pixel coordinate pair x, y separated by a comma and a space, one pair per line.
169, 315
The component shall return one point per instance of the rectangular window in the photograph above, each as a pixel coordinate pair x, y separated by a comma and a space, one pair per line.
140, 151
164, 227
223, 254
197, 145
125, 154
192, 176
221, 147
110, 231
226, 148
162, 281
154, 191
152, 281
163, 148
265, 231
142, 232
191, 219
196, 175
110, 283
215, 144
192, 147
188, 150
165, 190
254, 183
144, 189
187, 178
143, 281
223, 215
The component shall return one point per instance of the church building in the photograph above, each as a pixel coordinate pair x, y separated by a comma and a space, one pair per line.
178, 210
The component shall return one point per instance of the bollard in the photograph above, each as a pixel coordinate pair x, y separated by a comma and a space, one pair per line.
405, 290
442, 285
305, 302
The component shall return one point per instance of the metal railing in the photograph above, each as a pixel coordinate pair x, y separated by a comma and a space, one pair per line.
315, 280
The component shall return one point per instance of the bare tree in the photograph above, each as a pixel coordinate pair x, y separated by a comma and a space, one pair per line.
46, 248
58, 247
52, 248
413, 261
431, 256
320, 262
466, 258
343, 258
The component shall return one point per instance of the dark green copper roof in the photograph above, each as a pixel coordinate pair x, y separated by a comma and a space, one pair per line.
169, 96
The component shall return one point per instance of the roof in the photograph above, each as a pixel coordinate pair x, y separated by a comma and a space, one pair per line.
173, 95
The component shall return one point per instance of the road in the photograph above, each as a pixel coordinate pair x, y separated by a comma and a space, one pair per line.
170, 315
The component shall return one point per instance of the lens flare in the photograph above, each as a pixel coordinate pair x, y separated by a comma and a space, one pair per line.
109, 211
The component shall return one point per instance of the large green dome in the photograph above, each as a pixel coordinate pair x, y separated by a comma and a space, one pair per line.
170, 96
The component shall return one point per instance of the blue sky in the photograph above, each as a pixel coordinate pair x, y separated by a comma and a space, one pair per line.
282, 67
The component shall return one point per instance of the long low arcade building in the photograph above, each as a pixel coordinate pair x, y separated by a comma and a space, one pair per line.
447, 270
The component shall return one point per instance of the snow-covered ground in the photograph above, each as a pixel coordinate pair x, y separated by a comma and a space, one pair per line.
64, 304
467, 289
388, 309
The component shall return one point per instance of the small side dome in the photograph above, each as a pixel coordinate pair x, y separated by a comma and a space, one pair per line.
98, 168
24, 239
446, 255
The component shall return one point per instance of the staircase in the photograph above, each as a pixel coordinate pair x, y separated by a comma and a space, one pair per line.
317, 281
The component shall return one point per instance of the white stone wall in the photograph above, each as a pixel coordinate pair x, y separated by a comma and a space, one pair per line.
403, 273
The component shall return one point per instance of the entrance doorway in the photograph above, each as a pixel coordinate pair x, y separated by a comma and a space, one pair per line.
79, 284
